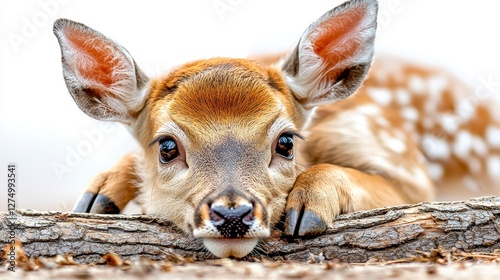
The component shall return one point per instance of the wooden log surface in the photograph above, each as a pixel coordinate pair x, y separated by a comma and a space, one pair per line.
385, 234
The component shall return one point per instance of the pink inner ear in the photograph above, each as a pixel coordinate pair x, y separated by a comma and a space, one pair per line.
340, 29
103, 54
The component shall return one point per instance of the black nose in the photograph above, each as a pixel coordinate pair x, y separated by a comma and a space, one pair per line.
232, 222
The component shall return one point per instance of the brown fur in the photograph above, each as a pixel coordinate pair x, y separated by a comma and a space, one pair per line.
228, 121
119, 183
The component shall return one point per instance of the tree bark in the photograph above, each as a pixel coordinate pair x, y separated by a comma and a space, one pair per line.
386, 234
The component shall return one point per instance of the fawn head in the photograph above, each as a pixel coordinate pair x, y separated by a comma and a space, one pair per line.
220, 136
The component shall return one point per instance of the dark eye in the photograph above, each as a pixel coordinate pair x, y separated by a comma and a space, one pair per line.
168, 150
284, 147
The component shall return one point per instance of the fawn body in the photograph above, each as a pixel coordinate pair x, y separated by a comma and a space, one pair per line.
230, 145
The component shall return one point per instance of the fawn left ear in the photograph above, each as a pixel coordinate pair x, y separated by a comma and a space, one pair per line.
101, 76
334, 54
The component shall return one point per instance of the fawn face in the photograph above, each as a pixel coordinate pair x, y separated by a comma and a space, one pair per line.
221, 161
219, 136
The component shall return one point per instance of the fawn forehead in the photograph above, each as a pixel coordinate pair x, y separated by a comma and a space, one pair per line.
216, 97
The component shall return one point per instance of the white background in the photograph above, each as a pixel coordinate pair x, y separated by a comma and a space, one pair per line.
40, 124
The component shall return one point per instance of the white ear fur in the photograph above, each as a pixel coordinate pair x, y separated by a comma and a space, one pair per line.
101, 75
334, 54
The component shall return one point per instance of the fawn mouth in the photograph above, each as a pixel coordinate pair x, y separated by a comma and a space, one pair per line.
230, 247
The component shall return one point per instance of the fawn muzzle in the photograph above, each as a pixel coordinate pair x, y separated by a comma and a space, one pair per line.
231, 223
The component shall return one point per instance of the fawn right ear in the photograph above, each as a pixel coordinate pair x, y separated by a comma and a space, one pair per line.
334, 54
101, 76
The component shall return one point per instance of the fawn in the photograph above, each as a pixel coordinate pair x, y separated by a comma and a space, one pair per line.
230, 146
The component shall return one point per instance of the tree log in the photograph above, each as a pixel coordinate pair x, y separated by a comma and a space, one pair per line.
385, 234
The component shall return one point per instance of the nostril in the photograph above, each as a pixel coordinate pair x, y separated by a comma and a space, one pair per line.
248, 219
216, 217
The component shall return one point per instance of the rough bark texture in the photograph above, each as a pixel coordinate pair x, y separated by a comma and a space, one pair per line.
387, 234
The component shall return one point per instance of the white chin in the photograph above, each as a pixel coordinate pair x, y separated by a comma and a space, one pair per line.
230, 247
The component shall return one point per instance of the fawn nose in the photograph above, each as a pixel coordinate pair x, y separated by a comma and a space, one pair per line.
232, 222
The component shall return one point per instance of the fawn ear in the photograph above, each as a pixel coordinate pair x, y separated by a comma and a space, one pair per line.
334, 54
101, 76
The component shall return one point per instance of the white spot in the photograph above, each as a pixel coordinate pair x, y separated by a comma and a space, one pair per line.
437, 84
392, 143
409, 126
493, 110
369, 110
493, 167
493, 136
470, 184
474, 165
410, 114
380, 76
418, 156
417, 84
421, 178
435, 148
479, 146
431, 103
403, 97
435, 170
449, 122
465, 109
463, 144
381, 96
382, 121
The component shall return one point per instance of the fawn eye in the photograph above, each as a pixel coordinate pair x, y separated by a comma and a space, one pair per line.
168, 150
284, 147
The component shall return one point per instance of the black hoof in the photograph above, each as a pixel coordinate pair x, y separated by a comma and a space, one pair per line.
95, 203
304, 223
311, 224
85, 202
